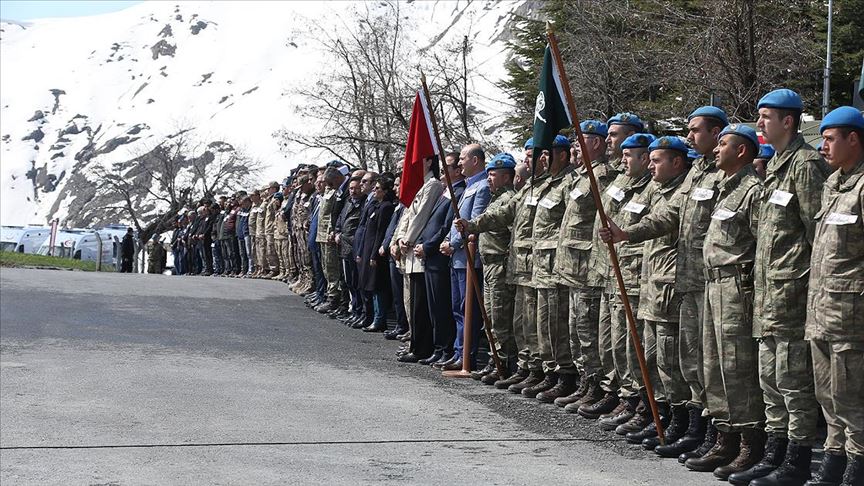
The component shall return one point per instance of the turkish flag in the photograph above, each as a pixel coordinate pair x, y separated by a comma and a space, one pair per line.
420, 146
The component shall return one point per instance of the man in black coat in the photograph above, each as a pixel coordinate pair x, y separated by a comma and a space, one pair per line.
127, 251
345, 229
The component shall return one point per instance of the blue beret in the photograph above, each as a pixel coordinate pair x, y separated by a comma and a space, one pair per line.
669, 143
278, 195
845, 116
638, 140
561, 142
711, 112
766, 151
501, 161
529, 144
784, 99
594, 127
627, 119
742, 131
692, 155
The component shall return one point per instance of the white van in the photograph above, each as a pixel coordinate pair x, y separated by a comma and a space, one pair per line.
23, 239
79, 244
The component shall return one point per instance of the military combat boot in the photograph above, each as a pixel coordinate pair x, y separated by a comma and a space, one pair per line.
854, 474
794, 471
830, 471
549, 381
565, 386
493, 377
533, 378
751, 449
691, 439
489, 368
517, 377
625, 410
707, 443
584, 382
637, 422
595, 410
672, 432
723, 452
593, 395
775, 450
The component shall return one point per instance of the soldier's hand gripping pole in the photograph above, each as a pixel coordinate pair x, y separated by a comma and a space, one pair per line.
471, 276
604, 221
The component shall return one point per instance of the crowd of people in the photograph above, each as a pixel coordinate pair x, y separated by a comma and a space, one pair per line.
743, 264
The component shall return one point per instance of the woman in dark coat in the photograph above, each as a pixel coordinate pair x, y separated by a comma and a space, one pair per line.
373, 267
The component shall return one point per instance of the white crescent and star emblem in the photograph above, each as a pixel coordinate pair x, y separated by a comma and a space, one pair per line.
538, 107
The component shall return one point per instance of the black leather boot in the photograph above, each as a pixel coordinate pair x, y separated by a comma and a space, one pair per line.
751, 450
671, 433
775, 450
566, 385
549, 381
707, 444
794, 471
830, 471
692, 438
854, 474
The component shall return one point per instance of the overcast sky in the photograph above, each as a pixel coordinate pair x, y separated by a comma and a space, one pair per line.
37, 9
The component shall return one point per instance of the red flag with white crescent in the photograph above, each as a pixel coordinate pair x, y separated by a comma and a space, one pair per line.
420, 146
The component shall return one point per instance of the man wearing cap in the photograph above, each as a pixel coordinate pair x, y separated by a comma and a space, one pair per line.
331, 205
835, 300
271, 210
573, 253
300, 226
689, 211
789, 201
280, 234
518, 214
498, 294
619, 383
553, 335
620, 127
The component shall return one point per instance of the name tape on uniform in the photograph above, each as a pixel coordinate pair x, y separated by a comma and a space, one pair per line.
531, 200
616, 193
841, 219
548, 203
722, 214
634, 207
780, 198
702, 194
576, 193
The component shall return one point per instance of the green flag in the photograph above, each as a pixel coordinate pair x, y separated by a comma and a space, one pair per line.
550, 110
861, 82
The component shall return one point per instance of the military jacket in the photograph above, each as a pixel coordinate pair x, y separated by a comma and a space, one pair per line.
625, 202
731, 237
835, 300
689, 211
577, 227
495, 242
270, 214
253, 220
789, 201
657, 299
300, 214
518, 214
281, 225
260, 216
325, 216
551, 203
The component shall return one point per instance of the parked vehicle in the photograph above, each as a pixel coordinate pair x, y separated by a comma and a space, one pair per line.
79, 244
23, 239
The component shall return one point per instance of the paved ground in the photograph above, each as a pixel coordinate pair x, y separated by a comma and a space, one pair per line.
148, 379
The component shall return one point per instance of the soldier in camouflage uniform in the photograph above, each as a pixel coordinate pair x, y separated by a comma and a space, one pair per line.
280, 235
518, 214
622, 375
271, 209
261, 231
300, 228
331, 205
790, 199
574, 251
498, 293
254, 262
729, 350
689, 211
835, 301
619, 127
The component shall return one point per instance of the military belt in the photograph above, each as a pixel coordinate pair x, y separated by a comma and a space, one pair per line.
743, 270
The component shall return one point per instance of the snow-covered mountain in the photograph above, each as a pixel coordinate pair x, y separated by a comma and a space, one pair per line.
80, 92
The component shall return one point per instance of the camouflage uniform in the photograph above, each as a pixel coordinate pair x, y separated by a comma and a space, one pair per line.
271, 212
498, 294
688, 211
835, 310
300, 227
729, 350
790, 199
620, 365
553, 331
518, 214
571, 264
155, 257
280, 240
329, 252
660, 305
261, 235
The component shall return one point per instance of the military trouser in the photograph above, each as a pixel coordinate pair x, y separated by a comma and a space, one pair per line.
584, 319
281, 246
553, 330
650, 345
272, 254
498, 297
786, 378
291, 269
332, 273
304, 262
690, 345
525, 328
625, 364
730, 356
609, 379
668, 363
839, 387
261, 253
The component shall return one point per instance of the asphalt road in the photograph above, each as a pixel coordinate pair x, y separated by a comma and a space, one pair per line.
149, 379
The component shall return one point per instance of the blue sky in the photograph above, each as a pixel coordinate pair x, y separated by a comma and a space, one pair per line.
37, 9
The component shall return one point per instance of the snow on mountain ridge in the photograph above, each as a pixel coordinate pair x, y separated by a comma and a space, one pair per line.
109, 86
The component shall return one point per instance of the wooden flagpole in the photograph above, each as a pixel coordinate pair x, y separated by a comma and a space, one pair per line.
471, 276
604, 220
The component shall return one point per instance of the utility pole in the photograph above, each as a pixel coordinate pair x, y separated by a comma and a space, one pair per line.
826, 81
